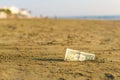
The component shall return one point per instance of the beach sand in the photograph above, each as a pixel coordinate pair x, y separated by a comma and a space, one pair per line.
34, 49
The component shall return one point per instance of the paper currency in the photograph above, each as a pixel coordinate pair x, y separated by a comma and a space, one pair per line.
74, 55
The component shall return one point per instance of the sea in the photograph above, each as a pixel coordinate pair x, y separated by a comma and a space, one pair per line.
91, 17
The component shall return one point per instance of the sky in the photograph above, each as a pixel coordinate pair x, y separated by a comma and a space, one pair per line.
67, 7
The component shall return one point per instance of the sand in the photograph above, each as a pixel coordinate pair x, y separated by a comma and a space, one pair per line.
34, 49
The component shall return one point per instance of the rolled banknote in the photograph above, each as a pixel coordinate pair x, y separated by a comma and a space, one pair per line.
74, 55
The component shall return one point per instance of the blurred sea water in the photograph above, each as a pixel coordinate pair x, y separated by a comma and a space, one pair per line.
92, 17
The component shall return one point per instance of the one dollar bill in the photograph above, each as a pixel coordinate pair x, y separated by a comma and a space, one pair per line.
74, 55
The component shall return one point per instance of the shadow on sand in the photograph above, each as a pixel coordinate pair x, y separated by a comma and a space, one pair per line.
46, 59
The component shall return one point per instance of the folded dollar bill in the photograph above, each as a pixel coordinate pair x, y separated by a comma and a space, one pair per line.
74, 55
